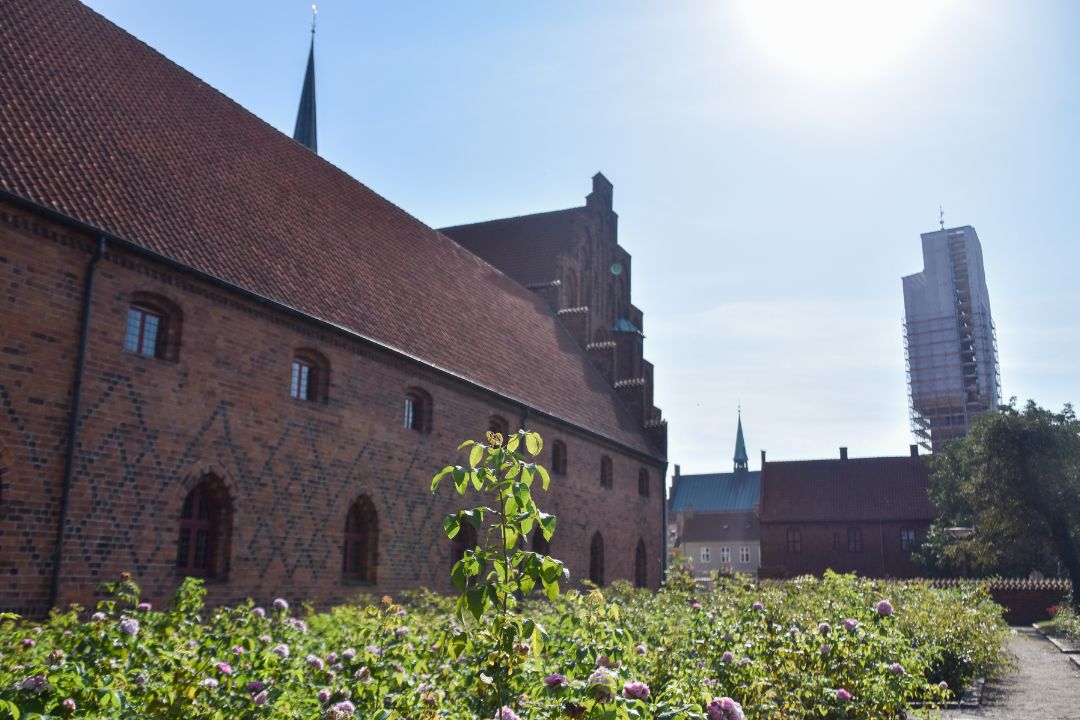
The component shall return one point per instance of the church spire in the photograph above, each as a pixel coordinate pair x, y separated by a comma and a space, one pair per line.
305, 117
740, 447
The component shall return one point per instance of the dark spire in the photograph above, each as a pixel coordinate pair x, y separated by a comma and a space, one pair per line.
740, 447
305, 117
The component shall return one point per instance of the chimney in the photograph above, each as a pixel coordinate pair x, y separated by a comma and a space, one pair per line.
843, 453
914, 451
675, 480
762, 458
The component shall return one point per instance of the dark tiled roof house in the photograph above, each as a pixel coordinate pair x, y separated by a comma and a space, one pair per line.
863, 515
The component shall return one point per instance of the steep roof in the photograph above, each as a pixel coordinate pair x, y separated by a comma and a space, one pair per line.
884, 488
740, 446
715, 492
99, 127
720, 526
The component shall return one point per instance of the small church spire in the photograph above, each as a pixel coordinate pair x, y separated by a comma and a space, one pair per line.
741, 458
305, 132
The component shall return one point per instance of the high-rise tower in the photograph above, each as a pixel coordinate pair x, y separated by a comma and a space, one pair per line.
949, 338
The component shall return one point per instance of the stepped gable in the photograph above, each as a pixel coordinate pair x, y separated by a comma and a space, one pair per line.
101, 128
883, 488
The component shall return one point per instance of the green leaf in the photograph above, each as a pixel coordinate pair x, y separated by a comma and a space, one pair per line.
440, 475
466, 444
551, 589
545, 479
476, 598
476, 455
547, 525
451, 525
533, 443
526, 474
461, 477
513, 442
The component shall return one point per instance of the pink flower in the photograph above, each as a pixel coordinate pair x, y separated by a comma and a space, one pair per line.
696, 606
884, 608
641, 649
29, 643
824, 628
129, 626
635, 690
851, 624
943, 685
826, 649
255, 686
896, 669
758, 606
724, 708
555, 680
224, 668
505, 713
281, 650
144, 607
843, 695
348, 653
281, 604
314, 662
97, 617
69, 705
34, 683
237, 650
323, 695
727, 657
209, 682
346, 708
402, 631
260, 699
258, 612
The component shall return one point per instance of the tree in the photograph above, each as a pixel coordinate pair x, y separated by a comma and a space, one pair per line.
1015, 478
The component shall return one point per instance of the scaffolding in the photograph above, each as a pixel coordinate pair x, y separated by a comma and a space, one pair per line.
951, 359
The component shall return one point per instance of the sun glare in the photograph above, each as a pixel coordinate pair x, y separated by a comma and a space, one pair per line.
839, 41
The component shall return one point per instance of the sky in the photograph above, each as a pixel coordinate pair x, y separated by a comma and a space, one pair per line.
773, 166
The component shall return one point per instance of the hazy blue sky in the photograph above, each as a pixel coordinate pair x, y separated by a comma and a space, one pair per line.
773, 169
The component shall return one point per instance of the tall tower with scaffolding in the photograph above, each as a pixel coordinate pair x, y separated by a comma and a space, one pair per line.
949, 338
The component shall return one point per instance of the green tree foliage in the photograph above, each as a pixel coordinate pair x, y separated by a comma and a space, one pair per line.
1016, 479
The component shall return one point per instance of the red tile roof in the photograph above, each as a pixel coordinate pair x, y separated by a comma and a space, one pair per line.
885, 488
98, 126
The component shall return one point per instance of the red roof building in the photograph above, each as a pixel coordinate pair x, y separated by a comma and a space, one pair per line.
861, 515
226, 357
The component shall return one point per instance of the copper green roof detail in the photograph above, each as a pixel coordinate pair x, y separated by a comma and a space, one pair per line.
741, 458
715, 492
305, 132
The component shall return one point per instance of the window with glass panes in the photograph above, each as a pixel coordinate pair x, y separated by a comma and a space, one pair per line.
144, 330
303, 380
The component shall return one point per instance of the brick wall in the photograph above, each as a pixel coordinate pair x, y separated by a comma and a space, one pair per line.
152, 429
825, 546
1025, 601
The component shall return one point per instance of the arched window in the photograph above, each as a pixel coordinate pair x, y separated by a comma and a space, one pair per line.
310, 378
464, 540
641, 567
607, 479
540, 544
498, 424
417, 410
643, 482
361, 541
596, 559
558, 457
205, 520
153, 327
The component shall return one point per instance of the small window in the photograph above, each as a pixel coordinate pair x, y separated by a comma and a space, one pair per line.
558, 457
907, 540
153, 327
643, 482
144, 328
464, 541
361, 541
309, 379
596, 559
744, 555
202, 549
417, 410
705, 554
497, 424
794, 540
641, 566
854, 540
540, 544
725, 555
606, 477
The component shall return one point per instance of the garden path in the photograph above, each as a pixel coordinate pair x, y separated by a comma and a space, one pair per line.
1045, 685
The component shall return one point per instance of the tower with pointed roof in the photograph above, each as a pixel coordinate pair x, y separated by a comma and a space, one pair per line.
305, 131
740, 448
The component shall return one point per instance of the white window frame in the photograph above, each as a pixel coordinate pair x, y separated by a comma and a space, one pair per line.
744, 554
705, 554
725, 555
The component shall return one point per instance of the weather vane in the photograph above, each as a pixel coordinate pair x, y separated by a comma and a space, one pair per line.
941, 216
314, 15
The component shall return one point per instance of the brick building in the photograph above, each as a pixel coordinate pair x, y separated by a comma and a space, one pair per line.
861, 515
222, 356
